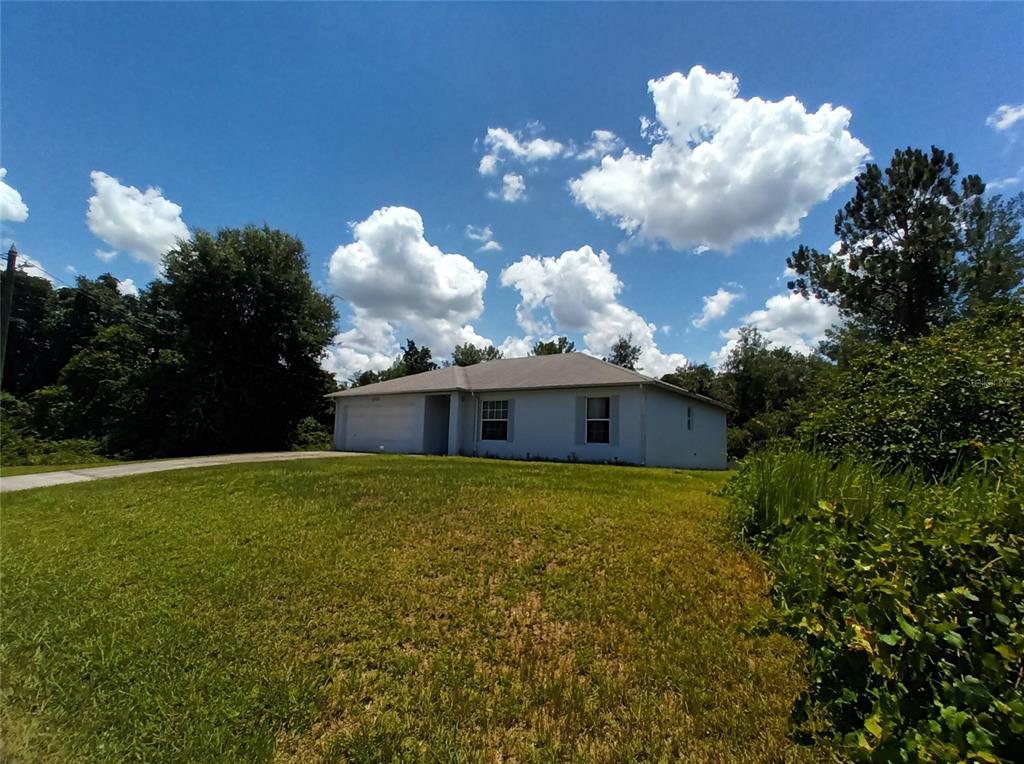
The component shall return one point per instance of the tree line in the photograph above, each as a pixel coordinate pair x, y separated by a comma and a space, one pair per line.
222, 352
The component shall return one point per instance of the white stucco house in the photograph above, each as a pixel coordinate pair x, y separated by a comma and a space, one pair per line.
570, 407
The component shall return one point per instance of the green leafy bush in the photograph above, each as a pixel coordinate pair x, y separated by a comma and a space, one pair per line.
933, 402
19, 444
310, 435
908, 595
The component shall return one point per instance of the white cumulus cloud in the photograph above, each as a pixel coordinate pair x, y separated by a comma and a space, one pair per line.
602, 142
12, 206
723, 169
485, 236
127, 287
502, 144
787, 320
578, 292
397, 281
32, 267
512, 187
142, 223
715, 306
1006, 116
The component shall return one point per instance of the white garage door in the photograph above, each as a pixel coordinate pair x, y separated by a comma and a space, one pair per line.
391, 425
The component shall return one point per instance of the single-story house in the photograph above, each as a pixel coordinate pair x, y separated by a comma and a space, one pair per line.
570, 407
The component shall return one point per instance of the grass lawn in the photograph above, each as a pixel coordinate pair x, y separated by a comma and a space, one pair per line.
386, 608
32, 469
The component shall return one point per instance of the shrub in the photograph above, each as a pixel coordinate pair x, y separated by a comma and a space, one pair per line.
932, 403
310, 435
19, 444
908, 595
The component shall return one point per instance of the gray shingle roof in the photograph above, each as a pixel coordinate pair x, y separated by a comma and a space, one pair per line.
530, 373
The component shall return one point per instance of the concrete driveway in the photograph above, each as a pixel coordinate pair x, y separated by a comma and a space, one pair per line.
43, 479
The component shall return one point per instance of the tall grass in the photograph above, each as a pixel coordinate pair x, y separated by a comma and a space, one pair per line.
908, 594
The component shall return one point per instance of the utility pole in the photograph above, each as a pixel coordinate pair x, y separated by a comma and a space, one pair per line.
5, 305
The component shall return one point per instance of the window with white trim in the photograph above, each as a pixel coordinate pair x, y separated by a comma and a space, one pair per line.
599, 420
494, 420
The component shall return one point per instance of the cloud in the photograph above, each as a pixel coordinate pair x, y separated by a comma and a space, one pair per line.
395, 279
12, 207
512, 187
143, 223
787, 320
485, 235
516, 347
602, 142
32, 267
106, 255
723, 170
127, 288
578, 292
715, 306
1003, 183
1006, 116
503, 144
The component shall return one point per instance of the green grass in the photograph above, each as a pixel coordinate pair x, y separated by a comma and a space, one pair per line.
376, 609
32, 469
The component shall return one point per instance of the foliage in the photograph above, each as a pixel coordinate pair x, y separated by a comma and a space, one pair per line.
624, 353
251, 331
553, 347
762, 385
104, 387
914, 245
416, 360
993, 266
20, 445
908, 595
470, 355
311, 435
933, 402
386, 608
697, 378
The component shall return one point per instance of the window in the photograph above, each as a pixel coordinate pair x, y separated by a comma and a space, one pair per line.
689, 417
494, 420
598, 420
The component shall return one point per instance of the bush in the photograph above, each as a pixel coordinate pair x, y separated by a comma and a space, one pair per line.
310, 435
908, 595
932, 403
19, 444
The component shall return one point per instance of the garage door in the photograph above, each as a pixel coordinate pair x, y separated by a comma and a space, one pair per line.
391, 425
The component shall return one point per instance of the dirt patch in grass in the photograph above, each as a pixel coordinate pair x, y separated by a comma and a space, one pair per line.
388, 609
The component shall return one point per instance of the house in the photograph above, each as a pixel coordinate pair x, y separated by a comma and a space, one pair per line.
571, 407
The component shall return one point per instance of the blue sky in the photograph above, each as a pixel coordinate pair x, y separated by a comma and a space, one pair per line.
312, 117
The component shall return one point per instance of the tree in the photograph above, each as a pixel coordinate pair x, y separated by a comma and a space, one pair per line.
553, 347
993, 266
251, 332
762, 385
625, 353
105, 386
896, 269
31, 362
700, 379
470, 355
416, 360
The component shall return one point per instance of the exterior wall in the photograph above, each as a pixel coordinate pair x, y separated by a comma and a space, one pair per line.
542, 425
390, 424
650, 427
671, 444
